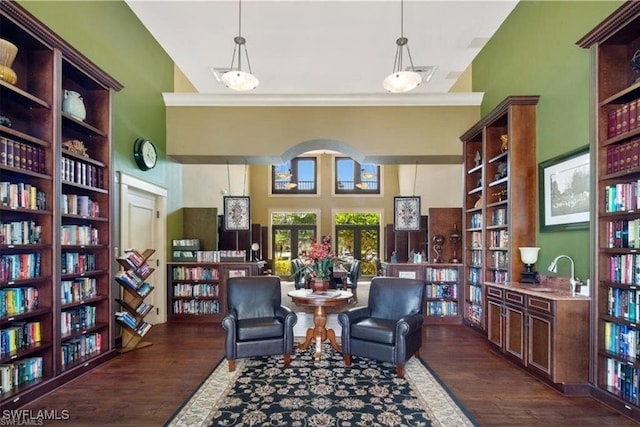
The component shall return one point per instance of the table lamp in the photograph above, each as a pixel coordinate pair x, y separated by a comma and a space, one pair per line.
529, 256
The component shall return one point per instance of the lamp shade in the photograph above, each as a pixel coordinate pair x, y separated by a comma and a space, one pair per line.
401, 81
240, 80
529, 255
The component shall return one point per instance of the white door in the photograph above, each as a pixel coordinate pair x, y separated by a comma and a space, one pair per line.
142, 227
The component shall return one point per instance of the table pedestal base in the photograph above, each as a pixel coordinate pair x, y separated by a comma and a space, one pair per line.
320, 333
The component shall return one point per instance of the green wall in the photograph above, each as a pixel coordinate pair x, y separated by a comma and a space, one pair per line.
534, 53
110, 35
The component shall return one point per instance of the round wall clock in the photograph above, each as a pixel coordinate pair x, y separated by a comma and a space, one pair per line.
144, 153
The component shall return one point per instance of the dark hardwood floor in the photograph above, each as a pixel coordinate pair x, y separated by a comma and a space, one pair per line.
145, 387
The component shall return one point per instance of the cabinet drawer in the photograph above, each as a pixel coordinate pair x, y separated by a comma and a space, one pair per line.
514, 297
540, 304
495, 292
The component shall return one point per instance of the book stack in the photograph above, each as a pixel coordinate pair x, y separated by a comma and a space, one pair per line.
22, 156
623, 118
623, 157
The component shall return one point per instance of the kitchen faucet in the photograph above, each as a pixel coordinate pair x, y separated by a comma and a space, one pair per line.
573, 280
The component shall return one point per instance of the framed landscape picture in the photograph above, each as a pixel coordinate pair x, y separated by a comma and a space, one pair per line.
237, 213
564, 191
406, 213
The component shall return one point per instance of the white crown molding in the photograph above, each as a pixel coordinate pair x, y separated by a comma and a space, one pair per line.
172, 99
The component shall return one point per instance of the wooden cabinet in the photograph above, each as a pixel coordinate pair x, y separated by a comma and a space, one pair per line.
442, 288
55, 210
616, 335
500, 194
135, 289
196, 292
549, 336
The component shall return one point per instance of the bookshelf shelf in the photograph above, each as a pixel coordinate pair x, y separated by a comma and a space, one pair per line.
135, 270
613, 43
499, 216
31, 150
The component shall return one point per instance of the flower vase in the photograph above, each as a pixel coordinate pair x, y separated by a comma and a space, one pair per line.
319, 285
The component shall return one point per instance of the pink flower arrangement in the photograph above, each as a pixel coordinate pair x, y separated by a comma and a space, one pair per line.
321, 258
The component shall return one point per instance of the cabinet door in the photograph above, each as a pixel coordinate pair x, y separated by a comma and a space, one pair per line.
494, 322
515, 332
541, 343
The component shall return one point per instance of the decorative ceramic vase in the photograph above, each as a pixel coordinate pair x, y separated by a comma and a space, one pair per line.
8, 52
319, 285
73, 104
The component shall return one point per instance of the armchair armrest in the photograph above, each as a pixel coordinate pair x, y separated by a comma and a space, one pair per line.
346, 318
408, 324
229, 324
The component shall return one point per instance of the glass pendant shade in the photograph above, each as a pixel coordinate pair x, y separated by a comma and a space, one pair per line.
240, 80
401, 81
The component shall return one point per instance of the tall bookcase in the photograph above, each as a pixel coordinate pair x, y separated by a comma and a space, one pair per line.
196, 292
55, 207
500, 194
135, 288
617, 335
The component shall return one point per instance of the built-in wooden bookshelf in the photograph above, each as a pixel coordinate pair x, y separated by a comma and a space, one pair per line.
196, 291
135, 288
55, 236
499, 199
443, 285
617, 335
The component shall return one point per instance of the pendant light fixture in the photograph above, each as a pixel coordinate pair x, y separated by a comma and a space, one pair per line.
402, 80
235, 78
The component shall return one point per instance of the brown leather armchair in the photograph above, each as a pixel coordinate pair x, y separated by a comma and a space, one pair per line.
389, 328
257, 324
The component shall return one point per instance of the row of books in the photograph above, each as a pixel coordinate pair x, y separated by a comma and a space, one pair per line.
77, 204
22, 156
198, 290
441, 291
622, 197
77, 319
474, 313
475, 221
476, 240
19, 335
182, 272
71, 234
127, 318
133, 259
22, 195
441, 274
499, 217
78, 172
623, 379
129, 278
442, 308
74, 350
20, 372
143, 309
476, 258
499, 276
77, 290
622, 157
19, 266
624, 304
15, 301
499, 239
625, 268
20, 233
499, 259
475, 276
196, 307
475, 294
623, 118
623, 233
75, 262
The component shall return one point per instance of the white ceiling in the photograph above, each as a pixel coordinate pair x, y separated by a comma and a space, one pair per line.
328, 49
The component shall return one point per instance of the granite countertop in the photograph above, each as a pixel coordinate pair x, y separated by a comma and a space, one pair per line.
557, 290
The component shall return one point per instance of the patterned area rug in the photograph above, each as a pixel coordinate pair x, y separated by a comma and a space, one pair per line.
262, 392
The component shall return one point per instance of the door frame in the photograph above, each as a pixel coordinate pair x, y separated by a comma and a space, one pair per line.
126, 183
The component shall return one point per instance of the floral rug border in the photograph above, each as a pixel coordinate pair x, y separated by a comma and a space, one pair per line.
441, 406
